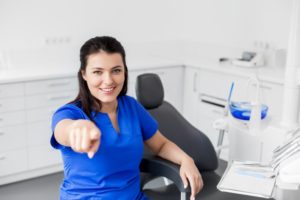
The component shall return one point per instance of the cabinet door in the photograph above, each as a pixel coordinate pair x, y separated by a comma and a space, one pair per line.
12, 137
51, 85
172, 80
43, 156
12, 118
11, 90
218, 85
13, 162
190, 95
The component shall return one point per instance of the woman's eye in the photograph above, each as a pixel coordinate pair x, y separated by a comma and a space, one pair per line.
117, 71
97, 72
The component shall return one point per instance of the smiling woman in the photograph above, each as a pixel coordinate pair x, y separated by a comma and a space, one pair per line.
102, 132
105, 75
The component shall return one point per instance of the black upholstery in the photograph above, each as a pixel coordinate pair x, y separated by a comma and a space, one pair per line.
173, 125
149, 91
176, 128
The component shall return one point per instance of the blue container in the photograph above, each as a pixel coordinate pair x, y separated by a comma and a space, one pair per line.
242, 110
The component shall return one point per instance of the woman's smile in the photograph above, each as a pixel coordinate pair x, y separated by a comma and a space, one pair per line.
109, 90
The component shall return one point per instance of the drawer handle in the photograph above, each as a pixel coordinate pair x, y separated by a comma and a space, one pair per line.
58, 84
218, 111
195, 82
2, 157
262, 86
266, 87
59, 97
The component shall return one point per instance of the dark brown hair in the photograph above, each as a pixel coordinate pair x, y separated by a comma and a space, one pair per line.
92, 46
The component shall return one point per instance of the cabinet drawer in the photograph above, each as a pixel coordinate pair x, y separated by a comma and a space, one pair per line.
43, 156
12, 104
12, 118
207, 114
41, 87
11, 90
58, 98
39, 133
13, 162
41, 114
218, 85
12, 137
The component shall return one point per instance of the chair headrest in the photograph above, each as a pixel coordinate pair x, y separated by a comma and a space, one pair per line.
149, 90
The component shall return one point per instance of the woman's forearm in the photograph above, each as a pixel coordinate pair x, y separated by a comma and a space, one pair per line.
172, 152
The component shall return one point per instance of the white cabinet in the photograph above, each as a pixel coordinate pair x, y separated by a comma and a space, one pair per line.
13, 151
42, 98
204, 101
26, 109
206, 93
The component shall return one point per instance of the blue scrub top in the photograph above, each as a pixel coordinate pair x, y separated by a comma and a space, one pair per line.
113, 172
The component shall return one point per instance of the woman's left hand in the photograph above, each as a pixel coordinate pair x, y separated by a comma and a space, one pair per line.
189, 173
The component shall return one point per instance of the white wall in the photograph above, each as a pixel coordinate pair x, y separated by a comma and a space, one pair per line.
25, 24
209, 25
237, 23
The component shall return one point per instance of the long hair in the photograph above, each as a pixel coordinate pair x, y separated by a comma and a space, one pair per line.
92, 46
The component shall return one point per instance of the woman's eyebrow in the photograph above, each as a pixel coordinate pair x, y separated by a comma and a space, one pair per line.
100, 68
117, 67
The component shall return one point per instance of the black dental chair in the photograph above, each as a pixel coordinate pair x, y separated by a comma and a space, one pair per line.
176, 128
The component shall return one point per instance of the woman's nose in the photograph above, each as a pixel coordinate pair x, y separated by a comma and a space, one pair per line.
107, 79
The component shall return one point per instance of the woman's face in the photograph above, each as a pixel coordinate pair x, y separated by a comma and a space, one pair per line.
105, 76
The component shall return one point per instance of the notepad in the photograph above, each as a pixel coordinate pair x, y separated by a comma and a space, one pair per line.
248, 179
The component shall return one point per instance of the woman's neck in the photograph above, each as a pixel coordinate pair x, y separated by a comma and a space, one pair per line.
109, 107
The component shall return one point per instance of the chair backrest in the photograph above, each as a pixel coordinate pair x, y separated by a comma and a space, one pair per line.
173, 125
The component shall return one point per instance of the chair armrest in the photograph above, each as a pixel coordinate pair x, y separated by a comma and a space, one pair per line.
160, 167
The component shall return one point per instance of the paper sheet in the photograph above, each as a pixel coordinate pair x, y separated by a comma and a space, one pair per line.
248, 179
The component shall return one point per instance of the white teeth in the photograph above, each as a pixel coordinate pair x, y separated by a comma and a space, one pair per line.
107, 89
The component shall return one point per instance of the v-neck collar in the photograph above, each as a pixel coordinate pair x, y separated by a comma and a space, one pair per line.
104, 117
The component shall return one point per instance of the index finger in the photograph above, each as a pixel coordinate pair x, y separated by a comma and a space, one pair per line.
94, 134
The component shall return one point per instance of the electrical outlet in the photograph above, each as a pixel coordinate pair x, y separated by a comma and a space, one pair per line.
261, 45
56, 40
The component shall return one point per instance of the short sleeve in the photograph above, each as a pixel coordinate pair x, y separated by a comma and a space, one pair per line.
68, 111
148, 124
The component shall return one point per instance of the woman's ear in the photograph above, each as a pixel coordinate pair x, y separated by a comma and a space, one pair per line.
83, 75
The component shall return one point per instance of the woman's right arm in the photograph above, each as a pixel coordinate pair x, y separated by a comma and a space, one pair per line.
81, 135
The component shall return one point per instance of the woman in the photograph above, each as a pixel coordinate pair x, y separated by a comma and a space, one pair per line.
102, 132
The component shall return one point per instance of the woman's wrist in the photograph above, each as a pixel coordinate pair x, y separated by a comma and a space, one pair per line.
187, 159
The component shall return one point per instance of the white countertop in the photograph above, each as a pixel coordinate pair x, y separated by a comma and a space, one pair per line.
38, 66
18, 74
269, 74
